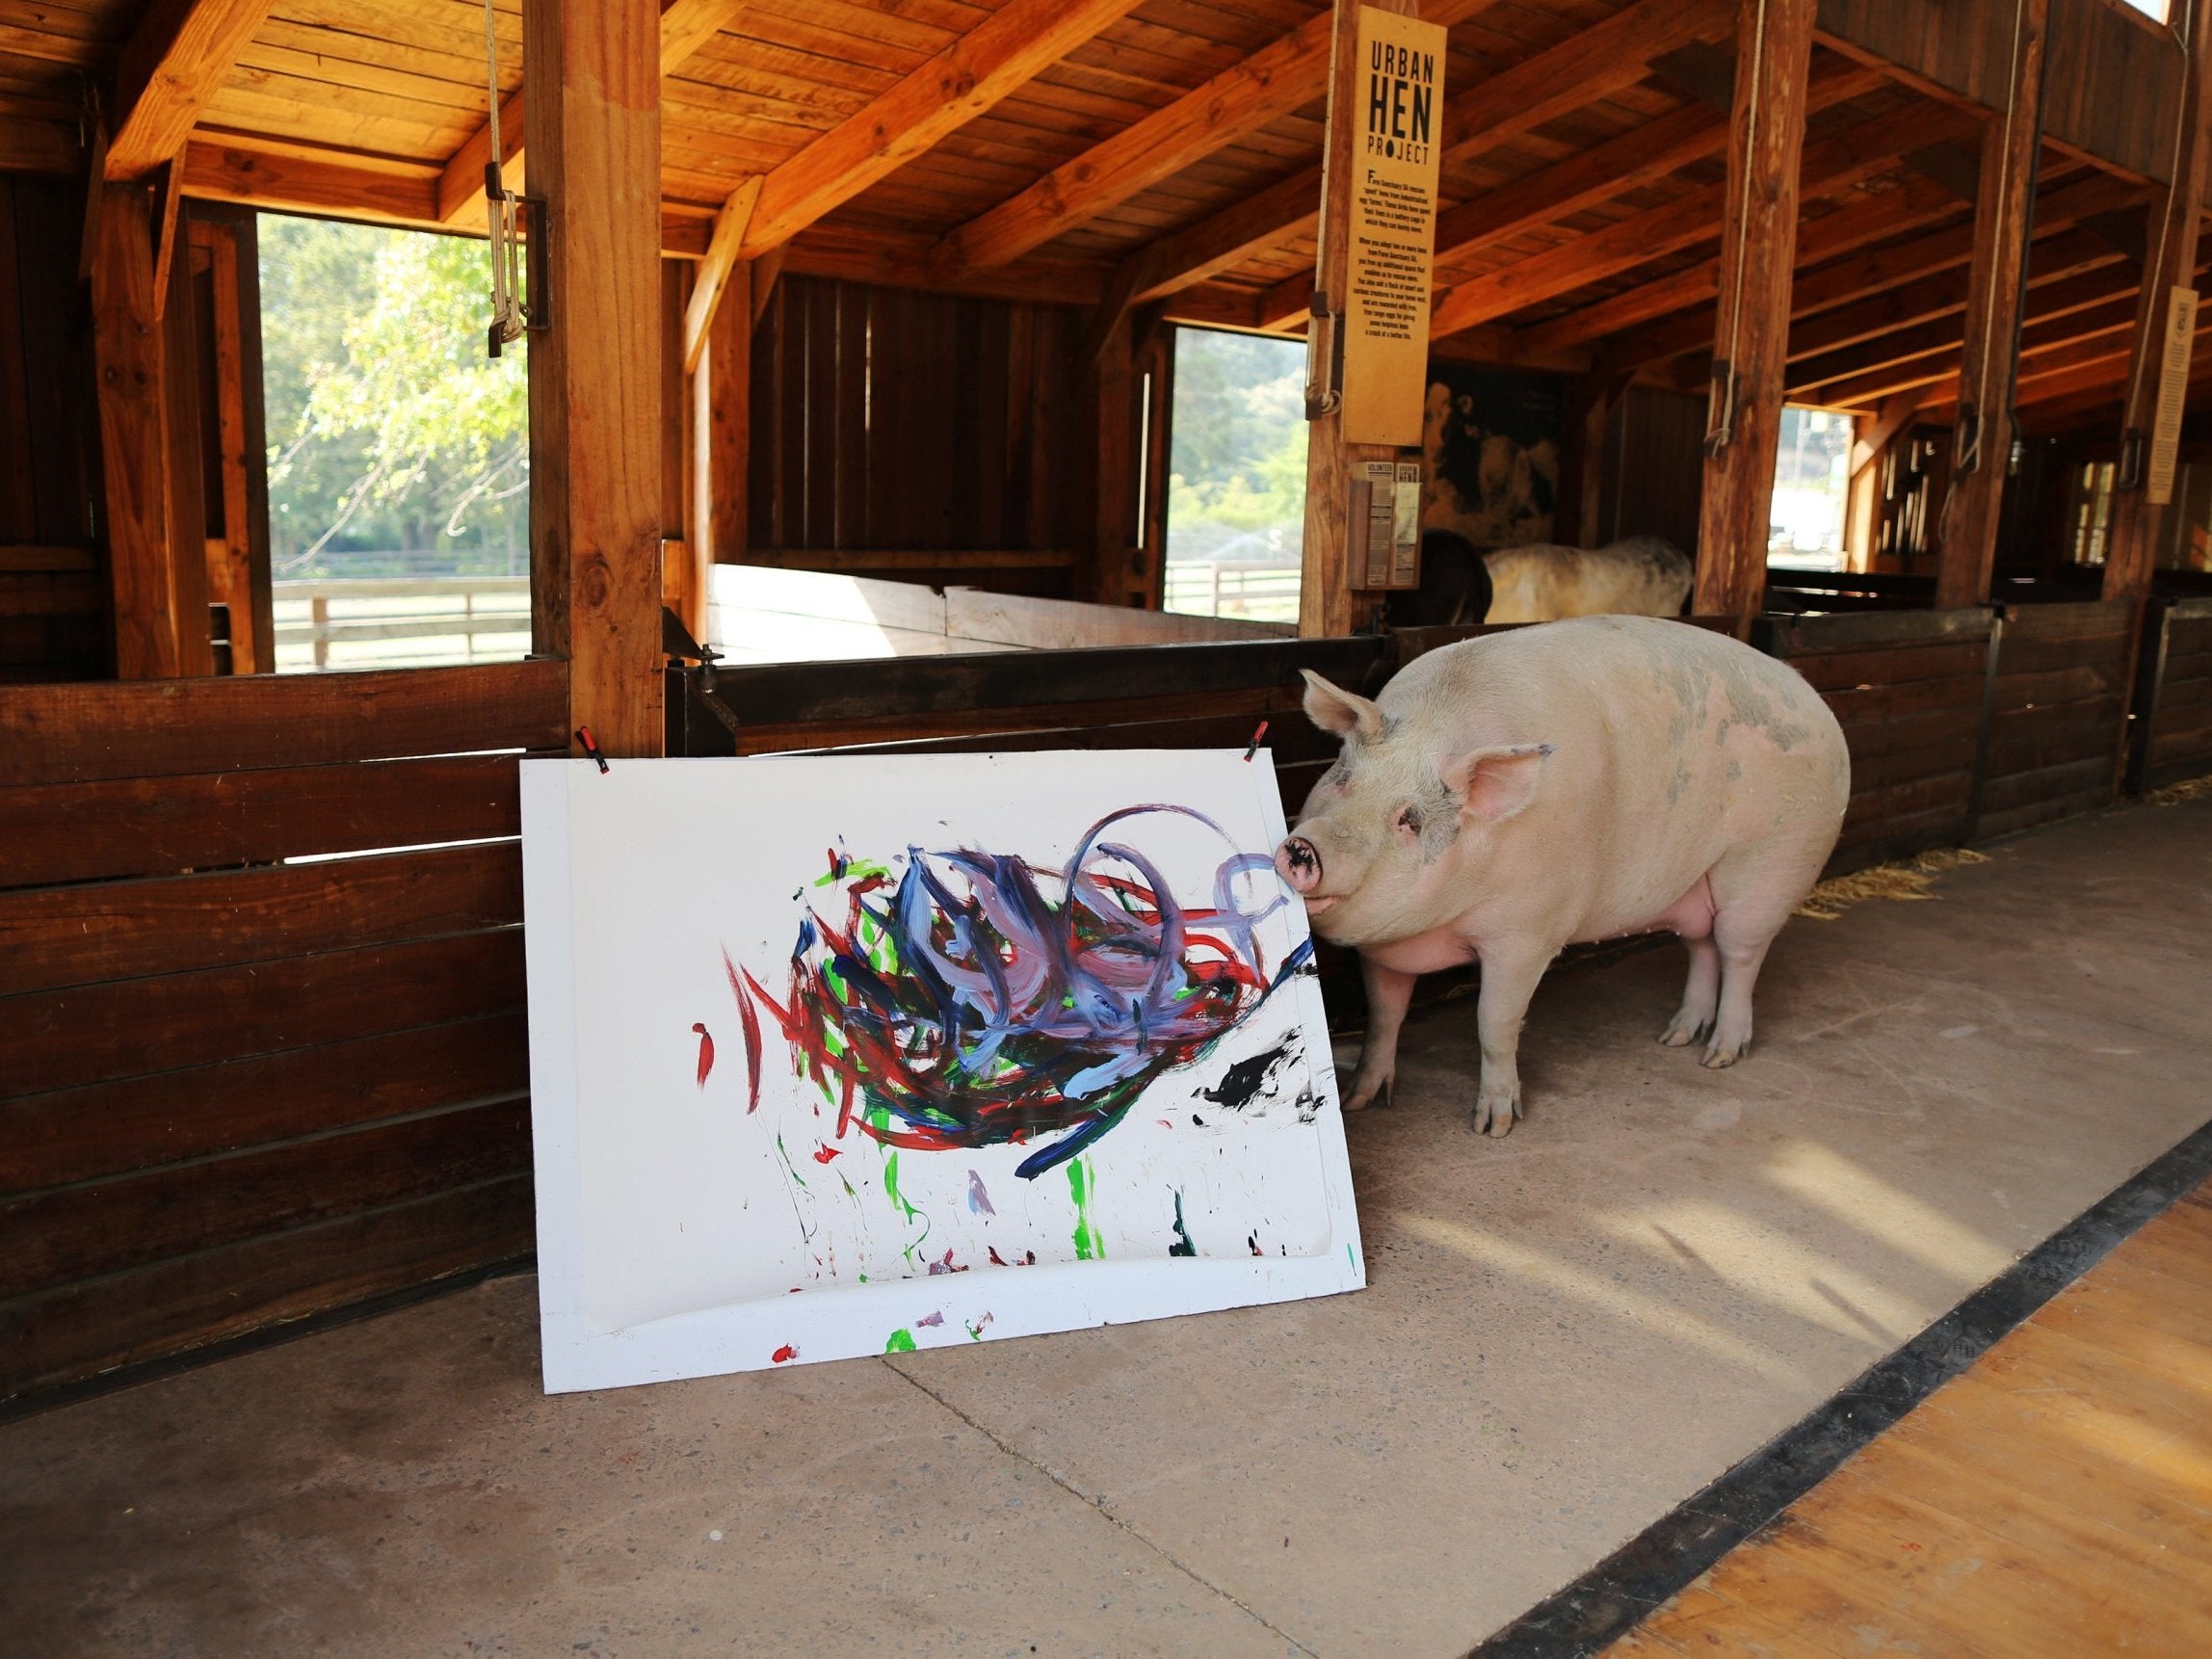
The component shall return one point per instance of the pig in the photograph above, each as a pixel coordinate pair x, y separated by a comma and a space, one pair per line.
1509, 796
1638, 576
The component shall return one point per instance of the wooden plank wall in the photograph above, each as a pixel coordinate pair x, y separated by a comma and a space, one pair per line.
890, 421
2058, 712
2176, 710
53, 580
1908, 688
1654, 459
2093, 46
237, 1089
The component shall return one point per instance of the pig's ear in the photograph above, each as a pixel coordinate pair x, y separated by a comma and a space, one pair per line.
1495, 783
1332, 708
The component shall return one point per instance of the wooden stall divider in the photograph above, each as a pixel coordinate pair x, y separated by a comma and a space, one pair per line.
263, 1051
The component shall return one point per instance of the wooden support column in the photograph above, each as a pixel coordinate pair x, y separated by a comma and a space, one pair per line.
1328, 604
1113, 379
2132, 539
595, 417
1758, 248
722, 411
1982, 440
149, 443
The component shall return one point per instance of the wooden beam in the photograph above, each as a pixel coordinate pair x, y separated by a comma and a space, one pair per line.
723, 427
1279, 78
766, 270
714, 271
181, 51
1856, 272
1628, 315
687, 25
1758, 240
1982, 439
1613, 169
595, 395
1587, 66
1936, 373
2132, 538
1925, 316
157, 523
1830, 163
967, 78
461, 183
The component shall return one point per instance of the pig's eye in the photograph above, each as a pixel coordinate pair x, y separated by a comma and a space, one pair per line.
1409, 820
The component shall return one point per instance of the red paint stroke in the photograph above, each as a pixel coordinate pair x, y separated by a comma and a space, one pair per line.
946, 1265
934, 1319
822, 1154
784, 1355
997, 1260
705, 1052
750, 1021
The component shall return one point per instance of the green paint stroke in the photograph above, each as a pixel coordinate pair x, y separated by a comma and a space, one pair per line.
788, 1165
1079, 1183
902, 1341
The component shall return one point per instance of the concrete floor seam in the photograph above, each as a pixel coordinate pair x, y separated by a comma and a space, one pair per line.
1099, 1507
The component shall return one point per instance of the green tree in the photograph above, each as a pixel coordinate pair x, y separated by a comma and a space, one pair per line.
390, 429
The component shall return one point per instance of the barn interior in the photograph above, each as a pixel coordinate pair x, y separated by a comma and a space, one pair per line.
852, 378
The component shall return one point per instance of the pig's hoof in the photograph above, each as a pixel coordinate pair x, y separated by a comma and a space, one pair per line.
1685, 1031
1364, 1096
1494, 1114
1722, 1055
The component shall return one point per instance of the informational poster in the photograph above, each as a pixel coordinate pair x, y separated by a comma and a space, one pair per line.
1391, 552
1397, 112
2173, 393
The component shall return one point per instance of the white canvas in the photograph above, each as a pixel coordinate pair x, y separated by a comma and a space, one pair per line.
716, 947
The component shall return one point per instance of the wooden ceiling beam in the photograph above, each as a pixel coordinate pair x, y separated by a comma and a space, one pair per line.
967, 78
2040, 341
1583, 68
686, 25
170, 67
1947, 330
713, 273
1855, 275
1658, 148
1830, 164
1632, 318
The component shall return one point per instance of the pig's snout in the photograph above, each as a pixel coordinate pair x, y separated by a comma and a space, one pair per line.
1299, 863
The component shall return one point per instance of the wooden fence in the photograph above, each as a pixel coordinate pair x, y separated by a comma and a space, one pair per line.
265, 1050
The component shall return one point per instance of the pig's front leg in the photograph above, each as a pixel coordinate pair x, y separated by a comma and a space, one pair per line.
1510, 970
1389, 991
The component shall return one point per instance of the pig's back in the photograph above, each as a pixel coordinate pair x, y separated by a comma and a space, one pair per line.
1671, 744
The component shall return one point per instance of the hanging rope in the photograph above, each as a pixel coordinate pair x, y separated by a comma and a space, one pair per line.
501, 209
1721, 419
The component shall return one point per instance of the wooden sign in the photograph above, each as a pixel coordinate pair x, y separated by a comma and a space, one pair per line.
2173, 392
1399, 110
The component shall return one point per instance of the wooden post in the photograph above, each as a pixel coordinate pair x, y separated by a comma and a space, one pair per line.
1328, 604
1982, 440
1113, 377
149, 443
2132, 541
722, 409
596, 419
1758, 248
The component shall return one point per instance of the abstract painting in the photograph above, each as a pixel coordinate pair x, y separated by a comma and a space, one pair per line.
848, 1055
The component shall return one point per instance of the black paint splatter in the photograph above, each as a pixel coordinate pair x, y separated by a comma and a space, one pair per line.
1248, 1079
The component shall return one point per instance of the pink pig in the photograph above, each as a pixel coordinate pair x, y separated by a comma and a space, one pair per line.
1511, 795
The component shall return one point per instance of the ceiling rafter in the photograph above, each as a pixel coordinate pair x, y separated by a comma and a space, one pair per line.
172, 66
1561, 79
1830, 164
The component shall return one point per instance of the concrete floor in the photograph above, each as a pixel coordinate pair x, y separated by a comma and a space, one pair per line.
1567, 1334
